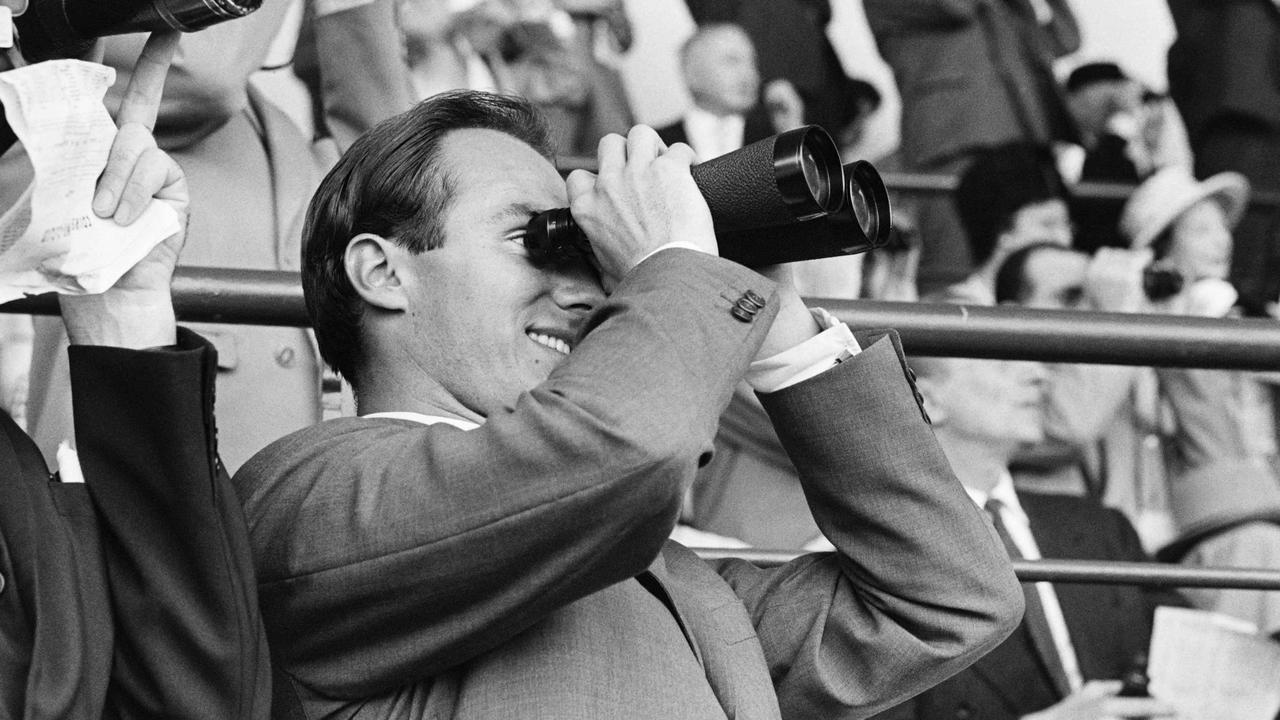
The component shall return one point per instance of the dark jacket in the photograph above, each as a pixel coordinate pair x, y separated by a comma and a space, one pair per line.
133, 594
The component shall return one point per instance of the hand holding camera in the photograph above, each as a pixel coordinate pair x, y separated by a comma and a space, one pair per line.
1114, 280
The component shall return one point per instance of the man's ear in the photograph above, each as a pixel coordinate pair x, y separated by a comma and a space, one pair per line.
372, 265
931, 390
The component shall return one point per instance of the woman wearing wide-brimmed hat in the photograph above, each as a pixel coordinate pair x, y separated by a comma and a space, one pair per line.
1223, 488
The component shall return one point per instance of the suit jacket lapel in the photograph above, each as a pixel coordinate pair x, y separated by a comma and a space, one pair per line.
1014, 688
1082, 605
657, 581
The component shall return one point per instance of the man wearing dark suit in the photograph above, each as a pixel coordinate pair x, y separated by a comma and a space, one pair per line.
718, 64
130, 594
489, 539
972, 74
1076, 641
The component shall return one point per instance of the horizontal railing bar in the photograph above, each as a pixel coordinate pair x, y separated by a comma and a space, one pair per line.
1076, 571
222, 295
1069, 336
268, 297
932, 184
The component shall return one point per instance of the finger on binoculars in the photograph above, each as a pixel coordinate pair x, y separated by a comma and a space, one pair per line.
611, 153
141, 102
579, 183
682, 153
643, 143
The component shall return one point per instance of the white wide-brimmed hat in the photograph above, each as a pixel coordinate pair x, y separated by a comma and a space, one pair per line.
1161, 198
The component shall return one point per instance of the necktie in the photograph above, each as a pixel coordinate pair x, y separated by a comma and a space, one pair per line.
1034, 619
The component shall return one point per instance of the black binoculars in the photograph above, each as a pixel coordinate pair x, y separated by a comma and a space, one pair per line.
782, 199
49, 29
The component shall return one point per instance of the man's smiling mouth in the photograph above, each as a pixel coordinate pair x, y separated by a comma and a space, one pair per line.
554, 343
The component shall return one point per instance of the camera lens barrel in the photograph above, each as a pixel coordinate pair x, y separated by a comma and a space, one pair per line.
65, 28
1161, 283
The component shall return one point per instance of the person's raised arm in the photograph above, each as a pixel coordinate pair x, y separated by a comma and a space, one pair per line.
188, 636
137, 312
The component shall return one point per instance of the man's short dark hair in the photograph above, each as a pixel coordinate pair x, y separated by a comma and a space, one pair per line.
1011, 278
998, 183
390, 183
1092, 73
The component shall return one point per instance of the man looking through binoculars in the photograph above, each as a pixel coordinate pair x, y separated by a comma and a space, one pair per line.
488, 538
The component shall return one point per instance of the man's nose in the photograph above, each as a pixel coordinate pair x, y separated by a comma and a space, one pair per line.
576, 286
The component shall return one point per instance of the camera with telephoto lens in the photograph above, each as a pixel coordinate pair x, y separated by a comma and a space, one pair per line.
49, 29
782, 199
1161, 283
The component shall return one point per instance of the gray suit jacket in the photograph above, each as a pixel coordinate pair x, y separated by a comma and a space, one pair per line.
521, 569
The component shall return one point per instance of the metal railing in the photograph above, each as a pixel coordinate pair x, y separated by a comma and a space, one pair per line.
1074, 571
263, 297
268, 297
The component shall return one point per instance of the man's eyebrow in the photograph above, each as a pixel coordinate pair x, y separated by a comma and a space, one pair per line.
516, 211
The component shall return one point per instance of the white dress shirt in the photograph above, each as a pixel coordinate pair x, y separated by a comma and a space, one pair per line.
712, 135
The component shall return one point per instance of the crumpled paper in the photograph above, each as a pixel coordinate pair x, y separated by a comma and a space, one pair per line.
51, 240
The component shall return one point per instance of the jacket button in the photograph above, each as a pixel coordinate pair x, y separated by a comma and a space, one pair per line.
285, 356
741, 314
754, 298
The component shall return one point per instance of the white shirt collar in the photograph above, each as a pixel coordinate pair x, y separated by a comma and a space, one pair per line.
425, 419
1006, 494
712, 135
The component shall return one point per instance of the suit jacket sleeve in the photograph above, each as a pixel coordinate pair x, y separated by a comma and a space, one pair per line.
919, 587
189, 639
404, 550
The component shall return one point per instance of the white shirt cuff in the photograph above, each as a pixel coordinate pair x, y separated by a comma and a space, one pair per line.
820, 353
672, 244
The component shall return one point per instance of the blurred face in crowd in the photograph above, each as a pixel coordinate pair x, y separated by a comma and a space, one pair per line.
987, 401
1093, 105
1201, 242
487, 324
1053, 279
720, 70
1042, 222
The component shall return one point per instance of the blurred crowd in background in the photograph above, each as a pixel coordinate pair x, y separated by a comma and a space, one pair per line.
256, 110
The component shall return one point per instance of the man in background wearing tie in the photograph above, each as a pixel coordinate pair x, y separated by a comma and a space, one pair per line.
1075, 641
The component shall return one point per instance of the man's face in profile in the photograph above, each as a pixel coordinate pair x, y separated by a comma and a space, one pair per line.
487, 323
999, 401
1054, 279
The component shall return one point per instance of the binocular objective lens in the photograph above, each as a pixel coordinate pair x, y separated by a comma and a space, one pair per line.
861, 209
817, 180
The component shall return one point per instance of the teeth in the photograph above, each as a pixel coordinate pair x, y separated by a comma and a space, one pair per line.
556, 344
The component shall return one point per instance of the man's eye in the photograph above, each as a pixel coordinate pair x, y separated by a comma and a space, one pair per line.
518, 237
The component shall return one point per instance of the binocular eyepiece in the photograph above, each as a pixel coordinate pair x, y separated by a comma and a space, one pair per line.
49, 29
782, 199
